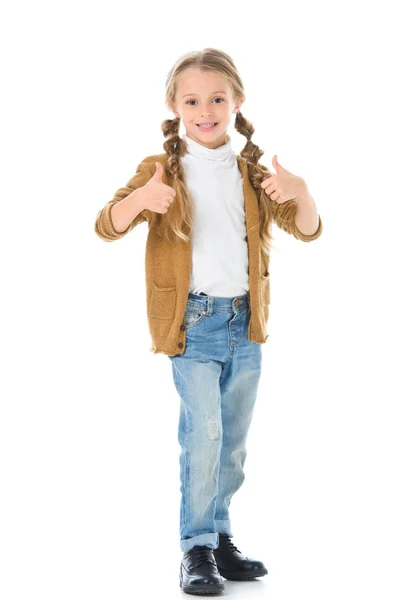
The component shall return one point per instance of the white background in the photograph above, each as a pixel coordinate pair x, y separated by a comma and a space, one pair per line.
88, 430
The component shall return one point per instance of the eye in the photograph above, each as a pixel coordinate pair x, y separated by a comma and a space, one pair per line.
214, 99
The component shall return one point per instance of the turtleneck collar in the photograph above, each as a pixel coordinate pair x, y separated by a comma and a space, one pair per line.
196, 149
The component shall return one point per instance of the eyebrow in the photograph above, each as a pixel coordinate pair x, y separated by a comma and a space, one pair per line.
211, 94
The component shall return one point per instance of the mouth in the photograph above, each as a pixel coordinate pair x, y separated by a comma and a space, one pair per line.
207, 126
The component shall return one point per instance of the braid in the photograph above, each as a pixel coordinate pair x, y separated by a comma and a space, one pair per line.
175, 147
251, 152
257, 173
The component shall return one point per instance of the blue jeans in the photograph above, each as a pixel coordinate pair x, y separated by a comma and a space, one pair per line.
217, 380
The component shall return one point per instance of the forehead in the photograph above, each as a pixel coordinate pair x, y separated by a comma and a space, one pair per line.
195, 81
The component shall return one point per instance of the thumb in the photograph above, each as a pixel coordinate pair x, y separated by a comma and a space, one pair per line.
277, 166
159, 171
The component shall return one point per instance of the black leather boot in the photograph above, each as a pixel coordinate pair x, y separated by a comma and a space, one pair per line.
232, 564
199, 573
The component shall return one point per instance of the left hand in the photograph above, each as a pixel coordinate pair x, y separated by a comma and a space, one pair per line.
284, 185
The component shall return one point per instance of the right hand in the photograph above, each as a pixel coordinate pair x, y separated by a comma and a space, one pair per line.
157, 196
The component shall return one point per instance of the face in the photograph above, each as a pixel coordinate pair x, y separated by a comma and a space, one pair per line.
205, 97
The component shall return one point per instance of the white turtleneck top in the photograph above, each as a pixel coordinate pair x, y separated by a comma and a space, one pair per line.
219, 244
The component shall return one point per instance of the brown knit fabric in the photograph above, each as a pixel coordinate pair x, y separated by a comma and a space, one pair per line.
168, 264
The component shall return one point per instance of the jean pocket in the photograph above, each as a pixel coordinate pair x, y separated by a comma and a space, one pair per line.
193, 314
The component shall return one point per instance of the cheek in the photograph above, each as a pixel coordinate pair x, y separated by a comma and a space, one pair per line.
224, 111
187, 116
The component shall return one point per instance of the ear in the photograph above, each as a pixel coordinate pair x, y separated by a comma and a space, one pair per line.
176, 114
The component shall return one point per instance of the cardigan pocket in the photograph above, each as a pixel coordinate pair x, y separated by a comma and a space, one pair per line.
162, 302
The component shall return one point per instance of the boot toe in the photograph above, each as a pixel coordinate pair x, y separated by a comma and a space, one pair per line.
206, 580
202, 585
200, 577
254, 564
255, 567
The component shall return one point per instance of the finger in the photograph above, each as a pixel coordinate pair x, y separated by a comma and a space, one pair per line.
271, 187
268, 181
173, 192
159, 172
274, 195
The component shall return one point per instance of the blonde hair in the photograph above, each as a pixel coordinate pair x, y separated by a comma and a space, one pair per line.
179, 214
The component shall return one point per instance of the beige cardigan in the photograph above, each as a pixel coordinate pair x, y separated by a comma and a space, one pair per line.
168, 265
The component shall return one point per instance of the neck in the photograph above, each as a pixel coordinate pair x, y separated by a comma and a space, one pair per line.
222, 152
220, 141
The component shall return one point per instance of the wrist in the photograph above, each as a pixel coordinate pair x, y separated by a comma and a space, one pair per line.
139, 198
305, 197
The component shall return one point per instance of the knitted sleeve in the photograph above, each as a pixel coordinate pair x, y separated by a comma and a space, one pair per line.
103, 225
284, 215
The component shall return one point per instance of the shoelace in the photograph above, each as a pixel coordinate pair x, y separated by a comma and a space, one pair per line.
203, 554
228, 542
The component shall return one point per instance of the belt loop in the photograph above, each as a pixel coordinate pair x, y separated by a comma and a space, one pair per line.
209, 305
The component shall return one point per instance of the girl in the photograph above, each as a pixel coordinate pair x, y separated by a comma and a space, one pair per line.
209, 213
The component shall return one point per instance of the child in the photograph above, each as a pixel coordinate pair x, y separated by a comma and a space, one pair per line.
209, 213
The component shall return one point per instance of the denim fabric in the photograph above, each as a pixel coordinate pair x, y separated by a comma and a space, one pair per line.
217, 380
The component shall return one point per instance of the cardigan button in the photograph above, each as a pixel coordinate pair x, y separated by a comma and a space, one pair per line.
182, 328
180, 345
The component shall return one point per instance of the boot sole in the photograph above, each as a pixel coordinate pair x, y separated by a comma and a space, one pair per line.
242, 576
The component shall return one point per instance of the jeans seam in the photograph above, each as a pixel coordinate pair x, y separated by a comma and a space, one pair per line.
187, 474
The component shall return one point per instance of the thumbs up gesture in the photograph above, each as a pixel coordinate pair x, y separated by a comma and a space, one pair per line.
157, 196
283, 185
